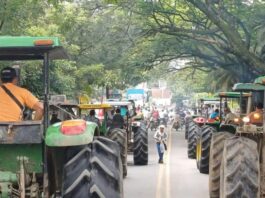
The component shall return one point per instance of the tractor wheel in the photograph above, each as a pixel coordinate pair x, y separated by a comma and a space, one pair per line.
262, 172
216, 154
120, 136
203, 148
140, 146
188, 125
192, 138
93, 171
240, 169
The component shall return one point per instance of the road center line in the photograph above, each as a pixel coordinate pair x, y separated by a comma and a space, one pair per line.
168, 184
159, 182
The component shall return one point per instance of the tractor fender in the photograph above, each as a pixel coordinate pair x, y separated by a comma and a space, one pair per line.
56, 138
228, 127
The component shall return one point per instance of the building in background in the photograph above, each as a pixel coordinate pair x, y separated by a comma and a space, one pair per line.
137, 95
161, 96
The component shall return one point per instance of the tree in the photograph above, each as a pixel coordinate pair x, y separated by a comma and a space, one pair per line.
216, 35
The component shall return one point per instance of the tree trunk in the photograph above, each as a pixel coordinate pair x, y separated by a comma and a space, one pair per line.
239, 47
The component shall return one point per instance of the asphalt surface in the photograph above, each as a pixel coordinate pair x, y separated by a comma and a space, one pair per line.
178, 177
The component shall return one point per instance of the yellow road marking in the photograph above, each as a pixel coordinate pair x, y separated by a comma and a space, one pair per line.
159, 182
163, 179
168, 195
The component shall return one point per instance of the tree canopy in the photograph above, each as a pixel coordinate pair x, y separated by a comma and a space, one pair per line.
120, 43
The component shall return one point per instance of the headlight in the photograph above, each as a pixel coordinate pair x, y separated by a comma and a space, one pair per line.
256, 116
236, 120
246, 120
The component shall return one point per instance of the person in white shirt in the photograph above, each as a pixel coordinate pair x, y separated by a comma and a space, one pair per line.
161, 138
229, 116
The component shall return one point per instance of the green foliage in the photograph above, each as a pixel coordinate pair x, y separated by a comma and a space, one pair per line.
122, 43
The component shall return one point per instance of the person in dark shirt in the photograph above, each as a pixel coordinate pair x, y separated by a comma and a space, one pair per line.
92, 117
54, 118
117, 121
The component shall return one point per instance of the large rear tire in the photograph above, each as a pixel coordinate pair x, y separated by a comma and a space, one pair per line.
189, 123
203, 148
140, 146
93, 171
192, 138
216, 155
120, 136
240, 170
262, 172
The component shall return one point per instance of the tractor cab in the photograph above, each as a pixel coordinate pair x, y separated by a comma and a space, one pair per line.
102, 113
257, 97
207, 107
22, 143
127, 109
232, 101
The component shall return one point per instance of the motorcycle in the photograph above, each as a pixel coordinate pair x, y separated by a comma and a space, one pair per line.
164, 121
154, 123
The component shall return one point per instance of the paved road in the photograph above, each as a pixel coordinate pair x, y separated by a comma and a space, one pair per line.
176, 178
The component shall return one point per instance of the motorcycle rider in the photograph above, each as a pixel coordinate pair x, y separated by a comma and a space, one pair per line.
154, 120
155, 114
172, 116
163, 118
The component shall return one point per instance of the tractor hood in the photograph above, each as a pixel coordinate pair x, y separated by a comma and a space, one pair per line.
57, 134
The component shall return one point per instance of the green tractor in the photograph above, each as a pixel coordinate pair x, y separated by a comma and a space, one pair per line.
119, 136
135, 128
66, 159
211, 126
237, 156
197, 124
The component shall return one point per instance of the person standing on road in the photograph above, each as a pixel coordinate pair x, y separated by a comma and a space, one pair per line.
161, 138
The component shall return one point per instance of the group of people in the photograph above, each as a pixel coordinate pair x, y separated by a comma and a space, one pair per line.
255, 117
115, 121
14, 99
161, 117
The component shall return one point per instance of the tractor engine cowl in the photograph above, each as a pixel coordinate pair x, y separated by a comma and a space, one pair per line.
200, 121
73, 127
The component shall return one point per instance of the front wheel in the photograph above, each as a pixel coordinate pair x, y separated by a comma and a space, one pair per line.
203, 148
93, 171
192, 138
